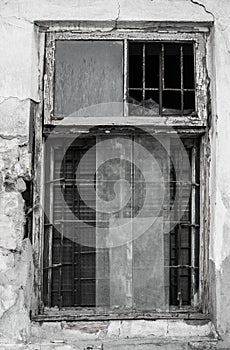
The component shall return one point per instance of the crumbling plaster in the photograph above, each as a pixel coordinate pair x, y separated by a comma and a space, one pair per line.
19, 76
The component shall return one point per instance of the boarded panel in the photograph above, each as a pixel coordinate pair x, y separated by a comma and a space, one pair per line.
148, 268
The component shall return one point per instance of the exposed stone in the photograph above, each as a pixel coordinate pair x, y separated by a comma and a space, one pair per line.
20, 185
15, 294
12, 219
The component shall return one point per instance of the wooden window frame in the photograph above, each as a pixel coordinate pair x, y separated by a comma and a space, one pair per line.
197, 119
187, 125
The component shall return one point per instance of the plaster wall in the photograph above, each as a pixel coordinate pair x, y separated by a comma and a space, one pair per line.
19, 80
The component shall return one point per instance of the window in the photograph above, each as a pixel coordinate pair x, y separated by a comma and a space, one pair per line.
122, 203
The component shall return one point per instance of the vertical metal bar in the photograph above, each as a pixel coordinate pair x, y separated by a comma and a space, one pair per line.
62, 239
163, 66
178, 218
193, 222
50, 229
182, 78
132, 212
126, 77
143, 73
78, 245
161, 78
73, 227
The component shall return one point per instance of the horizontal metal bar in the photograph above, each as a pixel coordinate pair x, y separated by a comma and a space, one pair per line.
86, 279
146, 89
30, 210
189, 225
88, 181
52, 266
182, 267
165, 89
179, 90
59, 222
55, 180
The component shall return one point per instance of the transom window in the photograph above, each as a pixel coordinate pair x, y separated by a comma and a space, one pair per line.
115, 78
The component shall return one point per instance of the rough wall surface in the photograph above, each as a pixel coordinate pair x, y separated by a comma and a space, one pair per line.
19, 76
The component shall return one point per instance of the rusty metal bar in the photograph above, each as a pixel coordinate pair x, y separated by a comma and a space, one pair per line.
178, 231
193, 226
55, 180
126, 77
182, 78
50, 228
78, 252
73, 241
143, 73
161, 78
62, 240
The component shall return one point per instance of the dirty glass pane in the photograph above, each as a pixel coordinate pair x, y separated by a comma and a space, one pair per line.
88, 78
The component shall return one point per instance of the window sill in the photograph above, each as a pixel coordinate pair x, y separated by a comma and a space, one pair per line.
70, 315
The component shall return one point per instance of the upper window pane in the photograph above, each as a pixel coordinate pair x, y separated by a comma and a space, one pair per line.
161, 79
88, 78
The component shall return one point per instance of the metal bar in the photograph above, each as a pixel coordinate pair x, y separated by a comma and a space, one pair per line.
161, 78
53, 266
62, 239
54, 180
165, 89
163, 67
137, 181
126, 77
193, 227
182, 78
58, 222
133, 206
78, 251
143, 73
146, 89
178, 228
50, 228
182, 266
73, 242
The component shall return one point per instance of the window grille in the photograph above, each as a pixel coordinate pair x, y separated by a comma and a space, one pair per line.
83, 275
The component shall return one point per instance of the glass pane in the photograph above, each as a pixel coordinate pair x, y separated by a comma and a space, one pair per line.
88, 78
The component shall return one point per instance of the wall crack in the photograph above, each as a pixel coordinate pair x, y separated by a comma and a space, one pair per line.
118, 13
204, 7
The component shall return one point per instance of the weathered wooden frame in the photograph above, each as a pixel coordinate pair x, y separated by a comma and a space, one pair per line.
196, 125
198, 39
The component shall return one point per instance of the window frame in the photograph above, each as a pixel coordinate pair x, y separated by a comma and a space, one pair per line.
186, 125
199, 118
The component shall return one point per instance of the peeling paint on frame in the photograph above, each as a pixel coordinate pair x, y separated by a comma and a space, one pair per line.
201, 78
